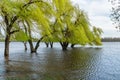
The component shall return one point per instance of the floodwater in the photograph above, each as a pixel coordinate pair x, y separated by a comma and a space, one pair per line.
54, 64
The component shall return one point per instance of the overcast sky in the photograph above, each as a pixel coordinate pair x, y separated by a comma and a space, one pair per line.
99, 12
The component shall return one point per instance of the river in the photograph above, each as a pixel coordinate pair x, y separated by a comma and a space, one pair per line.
80, 63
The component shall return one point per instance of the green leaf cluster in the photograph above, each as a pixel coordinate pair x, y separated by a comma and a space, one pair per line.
57, 20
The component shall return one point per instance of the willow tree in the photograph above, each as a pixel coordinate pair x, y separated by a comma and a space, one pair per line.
59, 27
13, 11
39, 24
71, 25
84, 33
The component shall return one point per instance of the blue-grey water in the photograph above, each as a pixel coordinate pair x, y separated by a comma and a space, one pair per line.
80, 63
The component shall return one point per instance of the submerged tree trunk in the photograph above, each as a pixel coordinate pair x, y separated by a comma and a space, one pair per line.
47, 44
38, 42
64, 45
72, 45
6, 51
51, 44
32, 49
25, 45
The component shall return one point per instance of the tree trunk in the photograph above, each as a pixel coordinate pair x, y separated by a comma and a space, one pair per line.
6, 51
72, 45
25, 45
51, 44
64, 48
47, 44
9, 25
31, 46
30, 39
38, 42
64, 45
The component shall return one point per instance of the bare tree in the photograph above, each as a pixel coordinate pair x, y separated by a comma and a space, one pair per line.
115, 13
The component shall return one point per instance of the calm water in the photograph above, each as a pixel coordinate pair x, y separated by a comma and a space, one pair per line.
54, 64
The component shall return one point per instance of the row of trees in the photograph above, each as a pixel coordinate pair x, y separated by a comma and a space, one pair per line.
48, 21
111, 39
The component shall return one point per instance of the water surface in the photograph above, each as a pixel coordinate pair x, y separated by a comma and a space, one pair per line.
54, 64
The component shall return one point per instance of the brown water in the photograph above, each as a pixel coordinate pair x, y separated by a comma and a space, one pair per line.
54, 64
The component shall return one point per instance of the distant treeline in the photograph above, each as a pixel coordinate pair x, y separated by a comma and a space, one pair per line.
110, 39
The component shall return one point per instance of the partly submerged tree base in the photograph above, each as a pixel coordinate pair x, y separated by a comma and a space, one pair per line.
72, 45
6, 55
64, 48
6, 51
64, 45
33, 51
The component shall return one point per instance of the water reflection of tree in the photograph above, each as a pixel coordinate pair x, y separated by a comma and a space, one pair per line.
18, 68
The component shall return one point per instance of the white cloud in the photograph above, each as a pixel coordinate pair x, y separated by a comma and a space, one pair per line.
99, 12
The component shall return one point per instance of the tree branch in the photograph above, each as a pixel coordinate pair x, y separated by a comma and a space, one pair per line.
37, 44
5, 15
13, 21
31, 2
25, 5
12, 32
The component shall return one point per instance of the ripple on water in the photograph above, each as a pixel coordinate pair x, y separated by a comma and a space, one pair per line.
54, 64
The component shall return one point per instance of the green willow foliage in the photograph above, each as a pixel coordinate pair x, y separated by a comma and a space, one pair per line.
34, 14
70, 24
25, 12
54, 20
